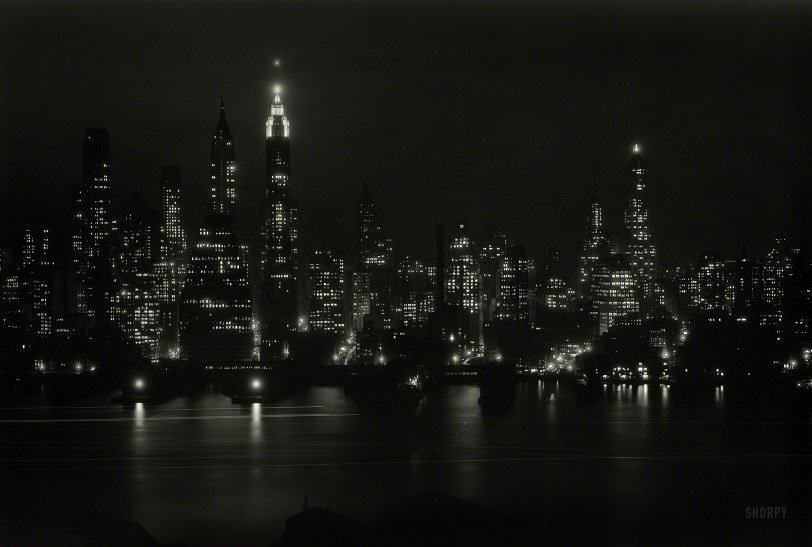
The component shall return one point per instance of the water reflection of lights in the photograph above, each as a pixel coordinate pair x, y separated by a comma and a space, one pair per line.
139, 414
719, 395
642, 394
256, 422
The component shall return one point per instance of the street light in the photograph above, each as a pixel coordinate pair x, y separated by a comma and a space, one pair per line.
256, 384
139, 384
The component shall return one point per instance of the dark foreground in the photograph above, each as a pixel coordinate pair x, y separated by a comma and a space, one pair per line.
628, 465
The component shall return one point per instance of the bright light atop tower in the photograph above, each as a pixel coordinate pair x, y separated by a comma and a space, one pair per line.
277, 63
277, 89
636, 148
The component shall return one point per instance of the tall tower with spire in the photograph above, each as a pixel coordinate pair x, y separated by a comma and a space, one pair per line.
639, 238
280, 252
215, 315
223, 167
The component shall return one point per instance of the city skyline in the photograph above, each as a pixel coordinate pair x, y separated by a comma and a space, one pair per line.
307, 272
616, 228
687, 174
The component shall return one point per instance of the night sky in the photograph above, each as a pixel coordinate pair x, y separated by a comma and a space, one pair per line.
508, 116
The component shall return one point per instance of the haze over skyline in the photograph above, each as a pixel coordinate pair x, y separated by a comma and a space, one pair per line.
506, 117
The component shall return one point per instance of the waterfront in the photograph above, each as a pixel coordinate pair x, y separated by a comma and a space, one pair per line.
633, 464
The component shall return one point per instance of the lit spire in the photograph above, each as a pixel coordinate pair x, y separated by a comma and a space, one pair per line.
636, 163
277, 124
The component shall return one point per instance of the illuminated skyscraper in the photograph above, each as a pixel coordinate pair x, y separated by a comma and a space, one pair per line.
215, 315
615, 290
223, 167
361, 304
171, 268
94, 223
376, 248
13, 337
594, 246
744, 288
134, 305
280, 236
135, 241
36, 278
375, 267
326, 276
463, 290
414, 289
513, 286
173, 239
526, 283
639, 240
556, 292
491, 255
778, 268
711, 283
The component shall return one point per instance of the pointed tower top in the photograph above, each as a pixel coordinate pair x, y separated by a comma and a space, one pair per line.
277, 124
222, 125
365, 196
636, 148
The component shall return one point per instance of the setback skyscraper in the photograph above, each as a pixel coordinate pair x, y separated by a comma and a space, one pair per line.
215, 316
280, 253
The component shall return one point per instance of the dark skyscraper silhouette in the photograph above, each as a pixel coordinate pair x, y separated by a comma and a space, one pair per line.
215, 315
280, 253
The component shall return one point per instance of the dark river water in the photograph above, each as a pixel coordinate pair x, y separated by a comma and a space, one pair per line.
630, 465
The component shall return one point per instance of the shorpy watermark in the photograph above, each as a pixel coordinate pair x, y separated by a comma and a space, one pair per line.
765, 512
